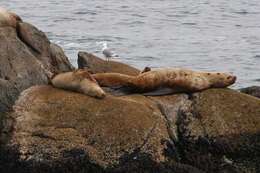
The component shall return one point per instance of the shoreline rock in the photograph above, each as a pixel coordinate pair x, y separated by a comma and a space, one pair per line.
97, 65
22, 66
105, 133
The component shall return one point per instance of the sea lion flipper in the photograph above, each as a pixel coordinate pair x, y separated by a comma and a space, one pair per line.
146, 69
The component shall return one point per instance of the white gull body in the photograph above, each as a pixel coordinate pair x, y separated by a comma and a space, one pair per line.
108, 53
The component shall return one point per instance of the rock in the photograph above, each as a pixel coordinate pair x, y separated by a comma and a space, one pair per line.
50, 54
170, 106
26, 59
19, 68
34, 38
253, 91
60, 130
97, 65
221, 127
59, 60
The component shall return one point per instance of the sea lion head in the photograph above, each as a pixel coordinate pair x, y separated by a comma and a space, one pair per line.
91, 88
88, 84
221, 80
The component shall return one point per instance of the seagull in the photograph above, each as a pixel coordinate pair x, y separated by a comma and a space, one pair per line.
108, 53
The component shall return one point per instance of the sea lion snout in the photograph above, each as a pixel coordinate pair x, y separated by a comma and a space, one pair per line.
231, 79
101, 95
97, 92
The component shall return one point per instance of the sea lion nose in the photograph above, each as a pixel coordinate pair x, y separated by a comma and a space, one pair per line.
234, 78
102, 95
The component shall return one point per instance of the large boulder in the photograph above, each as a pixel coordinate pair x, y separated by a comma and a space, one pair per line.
61, 131
50, 54
221, 127
19, 68
27, 58
97, 65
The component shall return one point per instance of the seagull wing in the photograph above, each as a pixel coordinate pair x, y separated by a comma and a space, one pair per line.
109, 53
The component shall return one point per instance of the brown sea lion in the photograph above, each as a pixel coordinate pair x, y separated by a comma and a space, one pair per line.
175, 78
8, 18
79, 81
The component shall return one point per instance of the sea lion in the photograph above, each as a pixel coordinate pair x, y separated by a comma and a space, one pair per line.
79, 81
8, 18
182, 80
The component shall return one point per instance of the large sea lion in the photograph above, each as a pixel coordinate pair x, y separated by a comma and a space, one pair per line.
8, 18
80, 81
175, 78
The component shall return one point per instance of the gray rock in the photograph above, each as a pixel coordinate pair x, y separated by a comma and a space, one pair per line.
253, 91
34, 38
59, 60
97, 65
19, 68
26, 59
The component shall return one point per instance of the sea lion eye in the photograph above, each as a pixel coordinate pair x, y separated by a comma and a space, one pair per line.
218, 73
208, 73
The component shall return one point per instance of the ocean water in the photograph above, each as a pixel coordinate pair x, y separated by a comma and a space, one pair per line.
221, 35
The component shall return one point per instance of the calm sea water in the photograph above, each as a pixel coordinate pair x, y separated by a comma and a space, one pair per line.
222, 35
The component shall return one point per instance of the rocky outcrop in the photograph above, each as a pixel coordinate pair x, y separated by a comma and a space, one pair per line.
253, 91
59, 60
49, 54
54, 130
61, 131
15, 76
27, 58
221, 129
97, 65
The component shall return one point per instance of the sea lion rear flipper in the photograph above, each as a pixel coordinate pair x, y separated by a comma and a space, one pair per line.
146, 69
